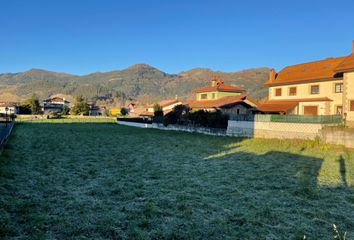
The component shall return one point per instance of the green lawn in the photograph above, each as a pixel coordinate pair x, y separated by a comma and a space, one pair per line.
77, 181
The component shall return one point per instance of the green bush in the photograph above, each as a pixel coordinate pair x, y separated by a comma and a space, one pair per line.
158, 110
80, 107
182, 115
124, 111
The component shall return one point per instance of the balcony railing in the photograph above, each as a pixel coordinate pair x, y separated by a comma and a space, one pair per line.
324, 119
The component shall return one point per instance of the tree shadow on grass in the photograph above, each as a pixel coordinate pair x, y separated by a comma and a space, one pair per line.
160, 185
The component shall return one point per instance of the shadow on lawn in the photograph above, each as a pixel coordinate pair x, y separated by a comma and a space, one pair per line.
191, 186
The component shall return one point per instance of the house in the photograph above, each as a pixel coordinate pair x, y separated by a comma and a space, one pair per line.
324, 87
8, 108
94, 110
229, 99
166, 105
55, 104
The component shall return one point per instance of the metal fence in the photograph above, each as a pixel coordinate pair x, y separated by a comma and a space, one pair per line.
324, 119
5, 131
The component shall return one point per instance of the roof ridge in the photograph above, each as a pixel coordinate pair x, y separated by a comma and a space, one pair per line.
316, 61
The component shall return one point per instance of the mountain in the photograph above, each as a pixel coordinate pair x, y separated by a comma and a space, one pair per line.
141, 81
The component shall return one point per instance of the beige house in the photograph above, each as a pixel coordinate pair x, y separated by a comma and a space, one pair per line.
166, 105
229, 99
324, 87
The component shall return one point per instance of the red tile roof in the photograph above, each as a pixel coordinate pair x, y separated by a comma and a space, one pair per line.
277, 107
286, 105
165, 103
347, 64
307, 72
220, 87
217, 103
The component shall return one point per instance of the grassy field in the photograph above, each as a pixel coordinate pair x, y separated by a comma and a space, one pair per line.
69, 120
78, 181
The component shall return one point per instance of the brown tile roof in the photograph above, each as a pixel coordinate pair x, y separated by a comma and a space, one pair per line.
165, 103
217, 103
220, 87
147, 114
286, 105
56, 99
307, 72
277, 107
346, 64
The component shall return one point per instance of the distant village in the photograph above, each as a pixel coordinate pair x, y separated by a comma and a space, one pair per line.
324, 87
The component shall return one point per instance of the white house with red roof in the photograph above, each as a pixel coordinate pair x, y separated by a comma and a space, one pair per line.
54, 104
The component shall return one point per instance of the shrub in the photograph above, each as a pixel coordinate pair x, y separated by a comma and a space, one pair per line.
65, 110
124, 111
80, 107
158, 110
182, 115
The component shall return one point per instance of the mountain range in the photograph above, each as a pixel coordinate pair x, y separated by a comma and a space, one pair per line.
141, 82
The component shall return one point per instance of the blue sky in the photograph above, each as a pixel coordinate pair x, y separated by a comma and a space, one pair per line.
86, 36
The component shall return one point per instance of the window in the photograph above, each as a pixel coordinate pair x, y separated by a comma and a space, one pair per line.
351, 105
339, 87
315, 89
278, 92
213, 95
311, 110
204, 96
292, 91
339, 110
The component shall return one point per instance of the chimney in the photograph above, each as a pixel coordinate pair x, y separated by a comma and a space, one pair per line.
213, 81
272, 74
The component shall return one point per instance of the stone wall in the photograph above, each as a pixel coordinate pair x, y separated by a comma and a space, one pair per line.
273, 129
208, 131
343, 137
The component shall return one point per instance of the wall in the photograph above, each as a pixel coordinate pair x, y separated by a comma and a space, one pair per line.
273, 129
226, 94
327, 89
209, 95
133, 124
208, 131
337, 136
348, 95
218, 95
233, 110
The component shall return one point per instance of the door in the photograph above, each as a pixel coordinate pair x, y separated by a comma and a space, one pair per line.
311, 110
339, 110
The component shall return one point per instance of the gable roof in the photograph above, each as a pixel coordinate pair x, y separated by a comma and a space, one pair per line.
219, 87
346, 64
286, 105
219, 103
307, 72
56, 99
168, 102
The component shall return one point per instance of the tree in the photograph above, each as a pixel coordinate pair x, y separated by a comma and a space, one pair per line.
31, 105
124, 111
158, 110
80, 107
65, 110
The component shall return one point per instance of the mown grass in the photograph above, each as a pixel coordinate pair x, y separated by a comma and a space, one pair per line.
101, 181
68, 120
